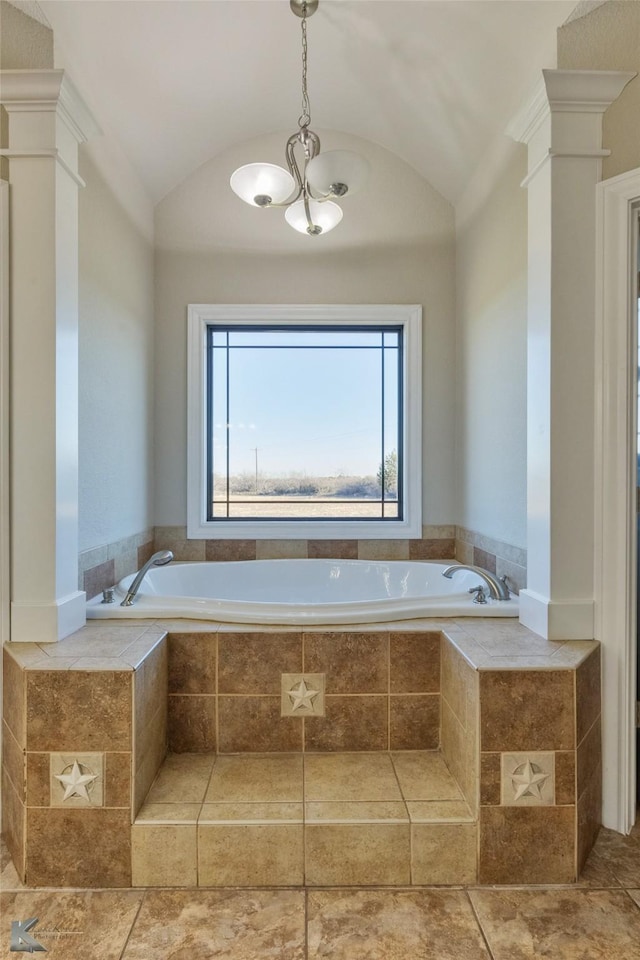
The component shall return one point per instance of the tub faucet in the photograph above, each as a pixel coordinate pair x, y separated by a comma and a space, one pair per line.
497, 586
157, 560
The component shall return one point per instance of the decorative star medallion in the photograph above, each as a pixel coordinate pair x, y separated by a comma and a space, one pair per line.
76, 782
302, 696
528, 780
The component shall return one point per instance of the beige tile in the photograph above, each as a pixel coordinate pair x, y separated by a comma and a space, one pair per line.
333, 549
565, 777
281, 549
527, 845
13, 823
78, 848
73, 925
635, 895
254, 725
249, 778
348, 854
234, 812
432, 549
383, 549
256, 925
444, 853
589, 816
393, 925
228, 550
251, 663
183, 777
559, 924
588, 694
192, 663
164, 855
13, 698
352, 662
117, 780
14, 759
169, 813
349, 723
439, 811
414, 662
191, 724
250, 854
425, 776
490, 779
350, 776
532, 710
414, 721
84, 711
363, 811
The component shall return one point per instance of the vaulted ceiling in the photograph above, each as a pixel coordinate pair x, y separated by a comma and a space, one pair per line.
178, 82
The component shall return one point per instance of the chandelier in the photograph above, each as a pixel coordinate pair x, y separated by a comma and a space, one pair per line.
308, 187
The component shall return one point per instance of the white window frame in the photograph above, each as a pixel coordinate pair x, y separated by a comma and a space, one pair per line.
408, 316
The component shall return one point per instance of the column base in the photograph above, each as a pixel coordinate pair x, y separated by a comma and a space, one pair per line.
556, 619
48, 622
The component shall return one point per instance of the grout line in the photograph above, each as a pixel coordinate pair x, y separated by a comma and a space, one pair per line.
135, 920
480, 927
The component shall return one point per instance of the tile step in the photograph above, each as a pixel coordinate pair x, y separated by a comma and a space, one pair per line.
318, 820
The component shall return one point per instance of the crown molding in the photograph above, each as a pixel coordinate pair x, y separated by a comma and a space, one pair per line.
531, 114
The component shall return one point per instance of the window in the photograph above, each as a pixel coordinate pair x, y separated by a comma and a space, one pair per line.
304, 421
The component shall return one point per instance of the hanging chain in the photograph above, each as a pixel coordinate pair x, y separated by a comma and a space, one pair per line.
305, 117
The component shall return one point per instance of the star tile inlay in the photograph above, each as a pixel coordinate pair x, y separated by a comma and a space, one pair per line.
302, 695
76, 780
528, 779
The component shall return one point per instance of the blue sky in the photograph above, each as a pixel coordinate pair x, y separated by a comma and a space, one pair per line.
307, 411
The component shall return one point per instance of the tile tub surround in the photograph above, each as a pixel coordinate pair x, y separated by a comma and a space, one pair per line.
101, 567
382, 690
498, 557
529, 783
437, 543
83, 736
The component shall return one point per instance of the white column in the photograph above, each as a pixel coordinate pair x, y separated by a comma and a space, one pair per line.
47, 120
563, 130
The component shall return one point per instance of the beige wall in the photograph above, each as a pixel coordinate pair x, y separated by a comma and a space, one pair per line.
491, 289
116, 367
395, 245
609, 39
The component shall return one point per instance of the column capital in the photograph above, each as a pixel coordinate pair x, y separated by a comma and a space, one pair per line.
567, 91
47, 91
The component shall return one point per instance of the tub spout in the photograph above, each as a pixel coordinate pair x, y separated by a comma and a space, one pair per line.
497, 587
157, 560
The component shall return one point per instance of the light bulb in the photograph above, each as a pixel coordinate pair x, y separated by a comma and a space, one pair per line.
325, 216
262, 184
338, 172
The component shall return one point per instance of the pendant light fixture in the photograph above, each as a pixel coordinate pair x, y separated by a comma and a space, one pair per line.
308, 189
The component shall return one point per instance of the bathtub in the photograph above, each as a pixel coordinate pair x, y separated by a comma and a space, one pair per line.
302, 592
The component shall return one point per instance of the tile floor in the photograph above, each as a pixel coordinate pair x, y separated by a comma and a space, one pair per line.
597, 919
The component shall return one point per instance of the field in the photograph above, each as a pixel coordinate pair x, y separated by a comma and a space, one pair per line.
301, 497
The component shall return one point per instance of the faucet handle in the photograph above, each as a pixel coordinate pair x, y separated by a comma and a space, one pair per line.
480, 595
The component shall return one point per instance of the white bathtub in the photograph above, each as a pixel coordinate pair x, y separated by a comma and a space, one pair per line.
302, 591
